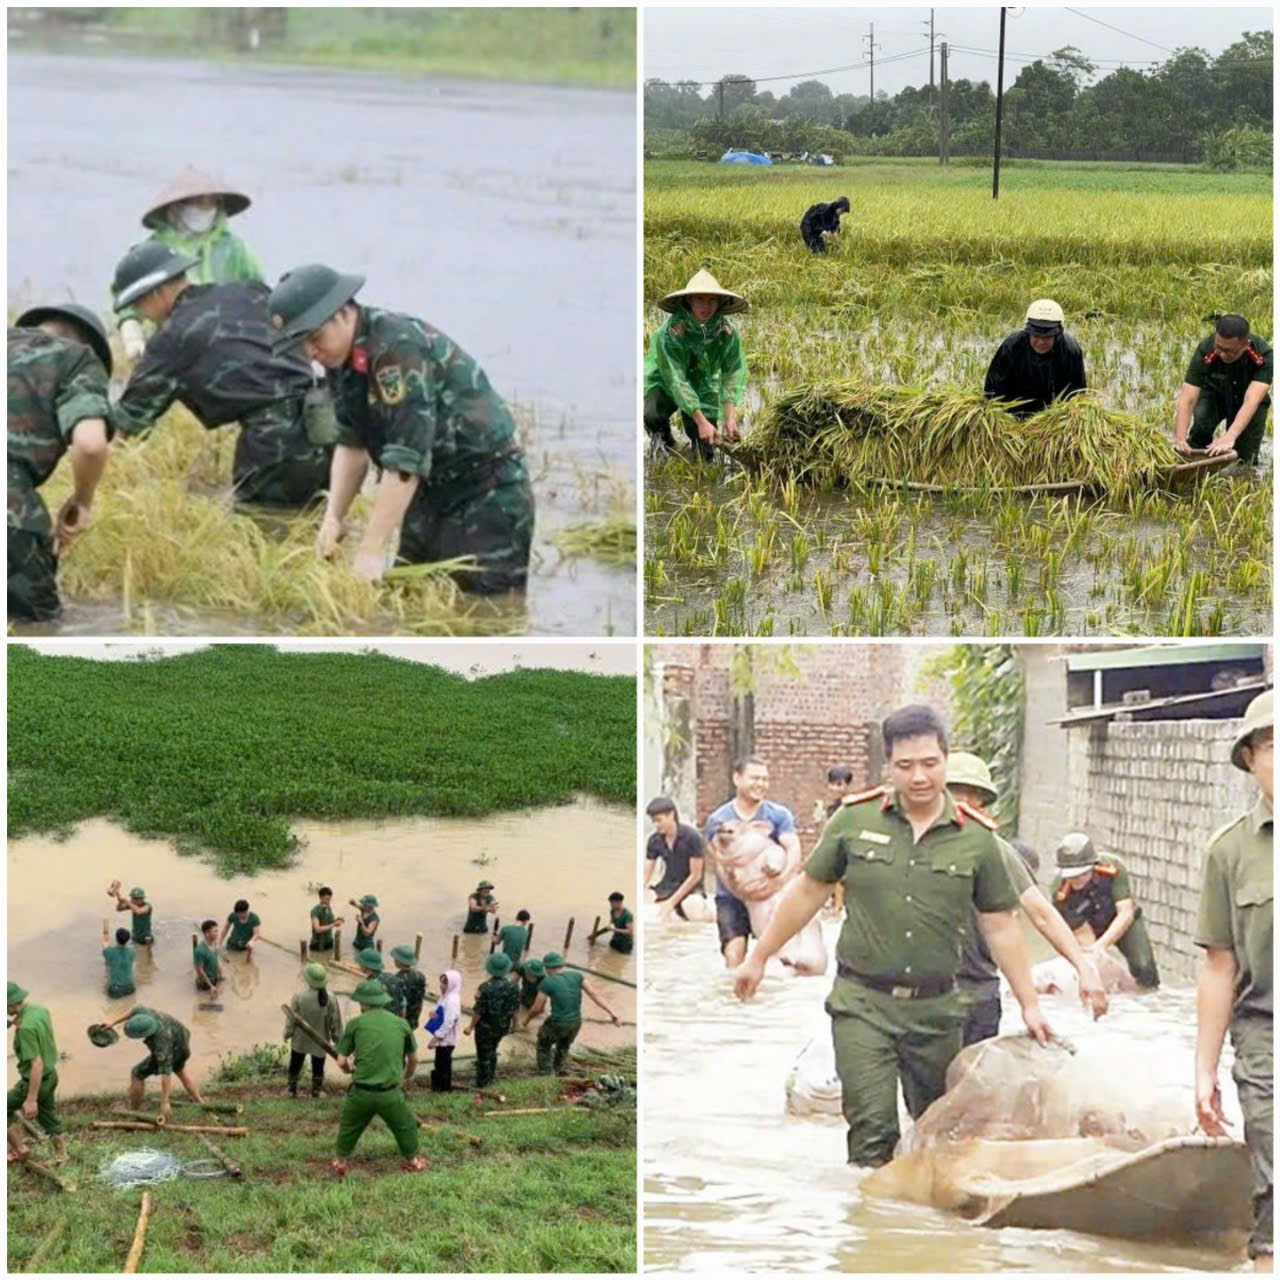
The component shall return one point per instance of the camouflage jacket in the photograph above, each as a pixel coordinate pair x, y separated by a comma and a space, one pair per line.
53, 384
496, 1003
391, 983
170, 1043
420, 405
413, 991
213, 354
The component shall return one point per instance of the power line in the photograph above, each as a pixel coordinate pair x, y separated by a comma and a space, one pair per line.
1090, 18
803, 75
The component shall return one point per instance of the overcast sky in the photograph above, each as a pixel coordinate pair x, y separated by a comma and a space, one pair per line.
803, 44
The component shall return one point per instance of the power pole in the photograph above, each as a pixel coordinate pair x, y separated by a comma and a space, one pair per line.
870, 38
930, 46
995, 171
720, 87
943, 158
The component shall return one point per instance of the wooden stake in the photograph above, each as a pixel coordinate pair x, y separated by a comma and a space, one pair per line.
524, 1111
337, 942
596, 931
528, 942
326, 1045
139, 1236
170, 1128
48, 1173
45, 1247
568, 933
302, 950
455, 946
227, 1163
417, 946
377, 942
145, 1116
217, 1108
195, 942
595, 973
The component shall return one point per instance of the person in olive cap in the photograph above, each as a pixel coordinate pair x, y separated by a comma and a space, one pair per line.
513, 938
452, 477
189, 216
169, 1046
411, 985
1037, 364
497, 1002
367, 921
480, 906
59, 363
34, 1095
1235, 929
137, 903
820, 222
319, 1010
370, 962
563, 989
1093, 895
531, 974
969, 780
385, 1059
1228, 381
212, 352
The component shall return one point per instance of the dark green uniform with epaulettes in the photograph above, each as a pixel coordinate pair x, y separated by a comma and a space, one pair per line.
213, 354
419, 405
895, 1010
54, 383
1222, 387
1236, 911
1095, 905
34, 1039
381, 1043
496, 1003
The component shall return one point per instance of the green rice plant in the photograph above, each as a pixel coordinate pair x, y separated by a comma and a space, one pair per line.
799, 551
822, 590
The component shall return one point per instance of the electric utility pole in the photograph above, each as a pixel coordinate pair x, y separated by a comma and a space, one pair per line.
995, 171
943, 157
870, 38
930, 24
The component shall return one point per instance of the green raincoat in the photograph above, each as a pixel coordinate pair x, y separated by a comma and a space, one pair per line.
700, 366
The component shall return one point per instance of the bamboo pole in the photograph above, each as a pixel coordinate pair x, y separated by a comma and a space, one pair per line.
528, 942
227, 1163
326, 1045
455, 946
417, 946
596, 973
377, 942
139, 1236
302, 951
568, 933
337, 943
347, 968
33, 1129
438, 1128
44, 1169
170, 1128
218, 1108
596, 930
144, 1116
525, 1111
45, 1247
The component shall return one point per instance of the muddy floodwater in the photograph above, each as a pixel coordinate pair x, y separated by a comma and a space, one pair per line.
557, 863
503, 214
733, 1183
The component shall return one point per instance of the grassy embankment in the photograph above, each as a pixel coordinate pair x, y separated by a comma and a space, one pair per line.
578, 47
925, 281
218, 750
547, 1192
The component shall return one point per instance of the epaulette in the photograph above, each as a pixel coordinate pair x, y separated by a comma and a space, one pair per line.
1101, 868
1222, 830
1062, 893
859, 797
968, 811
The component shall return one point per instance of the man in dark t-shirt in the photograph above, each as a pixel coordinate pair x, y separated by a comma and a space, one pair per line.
682, 851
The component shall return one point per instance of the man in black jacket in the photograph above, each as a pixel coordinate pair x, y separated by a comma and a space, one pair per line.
820, 221
1038, 364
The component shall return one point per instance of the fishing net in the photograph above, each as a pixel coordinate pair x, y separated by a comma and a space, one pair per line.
140, 1168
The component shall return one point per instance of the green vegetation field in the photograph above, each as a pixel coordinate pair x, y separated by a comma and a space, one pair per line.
219, 749
927, 277
549, 1192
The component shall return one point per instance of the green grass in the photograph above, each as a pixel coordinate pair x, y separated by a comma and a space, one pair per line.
581, 47
218, 750
552, 1192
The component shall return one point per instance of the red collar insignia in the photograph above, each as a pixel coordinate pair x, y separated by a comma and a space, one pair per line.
359, 359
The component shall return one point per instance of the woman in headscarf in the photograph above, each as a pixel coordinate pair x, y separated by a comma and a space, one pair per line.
695, 364
445, 1039
189, 214
319, 1010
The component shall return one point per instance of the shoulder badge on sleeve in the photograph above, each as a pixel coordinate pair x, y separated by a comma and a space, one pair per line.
858, 797
1105, 869
968, 811
390, 384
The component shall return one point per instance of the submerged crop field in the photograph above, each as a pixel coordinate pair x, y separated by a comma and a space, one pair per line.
911, 301
217, 750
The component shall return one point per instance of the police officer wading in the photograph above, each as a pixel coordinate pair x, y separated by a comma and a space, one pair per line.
452, 479
914, 861
1038, 364
1235, 930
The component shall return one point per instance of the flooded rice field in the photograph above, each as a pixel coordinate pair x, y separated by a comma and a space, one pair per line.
421, 870
504, 214
734, 1183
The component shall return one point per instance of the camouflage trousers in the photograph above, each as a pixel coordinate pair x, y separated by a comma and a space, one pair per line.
362, 1105
275, 465
1210, 410
46, 1103
33, 576
554, 1039
1254, 1074
487, 1042
493, 522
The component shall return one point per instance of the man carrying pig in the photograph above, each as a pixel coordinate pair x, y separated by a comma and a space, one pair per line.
914, 861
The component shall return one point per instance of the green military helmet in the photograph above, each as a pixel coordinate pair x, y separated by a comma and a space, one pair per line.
102, 1036
145, 267
370, 992
1260, 714
137, 894
315, 975
1076, 852
369, 959
553, 960
484, 884
533, 968
83, 318
964, 769
305, 298
368, 900
17, 995
403, 955
140, 1026
498, 964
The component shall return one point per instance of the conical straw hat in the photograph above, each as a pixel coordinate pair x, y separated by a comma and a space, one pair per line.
705, 282
186, 186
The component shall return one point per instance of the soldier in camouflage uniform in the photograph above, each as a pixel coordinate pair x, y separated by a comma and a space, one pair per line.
452, 478
371, 962
169, 1043
212, 353
496, 1004
59, 362
410, 984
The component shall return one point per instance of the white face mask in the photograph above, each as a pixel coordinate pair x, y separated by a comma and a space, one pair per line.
194, 219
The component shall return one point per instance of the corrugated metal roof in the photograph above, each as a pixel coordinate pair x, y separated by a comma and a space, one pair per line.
1210, 699
1162, 655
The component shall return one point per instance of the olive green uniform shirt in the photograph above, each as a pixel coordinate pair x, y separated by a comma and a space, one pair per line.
1236, 904
1229, 382
564, 991
623, 942
513, 938
381, 1043
363, 940
119, 965
242, 930
322, 915
907, 903
206, 960
34, 1039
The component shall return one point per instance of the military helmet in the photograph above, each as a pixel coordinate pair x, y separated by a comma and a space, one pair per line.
1044, 317
102, 1035
553, 960
82, 317
498, 964
403, 955
964, 769
1076, 853
369, 958
17, 994
370, 992
315, 975
141, 1025
534, 968
305, 298
485, 884
145, 267
186, 186
1260, 714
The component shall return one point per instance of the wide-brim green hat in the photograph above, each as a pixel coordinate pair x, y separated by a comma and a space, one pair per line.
964, 769
102, 1035
370, 992
1259, 714
403, 955
704, 282
369, 900
553, 960
369, 959
498, 964
1076, 852
17, 994
138, 895
140, 1026
304, 299
85, 320
315, 975
533, 967
486, 884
